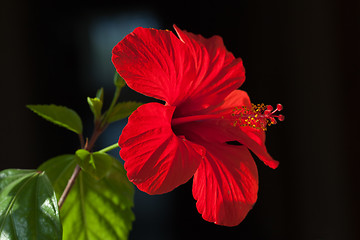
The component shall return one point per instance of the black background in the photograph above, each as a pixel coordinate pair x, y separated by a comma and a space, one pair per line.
304, 54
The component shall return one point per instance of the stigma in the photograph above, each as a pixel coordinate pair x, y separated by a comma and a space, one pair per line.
259, 116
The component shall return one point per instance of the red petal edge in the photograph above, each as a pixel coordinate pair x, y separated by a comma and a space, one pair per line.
156, 160
226, 184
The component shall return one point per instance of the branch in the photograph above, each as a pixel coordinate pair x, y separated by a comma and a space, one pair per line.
69, 186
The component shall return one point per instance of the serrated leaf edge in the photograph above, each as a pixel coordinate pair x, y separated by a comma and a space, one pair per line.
60, 124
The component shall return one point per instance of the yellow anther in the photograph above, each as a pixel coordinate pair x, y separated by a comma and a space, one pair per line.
258, 116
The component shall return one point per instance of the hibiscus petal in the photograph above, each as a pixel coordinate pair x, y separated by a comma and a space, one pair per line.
156, 160
192, 73
234, 99
225, 184
218, 72
155, 63
253, 138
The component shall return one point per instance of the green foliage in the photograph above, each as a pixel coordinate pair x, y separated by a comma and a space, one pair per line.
123, 110
96, 103
60, 115
95, 106
96, 164
59, 170
99, 203
28, 206
94, 209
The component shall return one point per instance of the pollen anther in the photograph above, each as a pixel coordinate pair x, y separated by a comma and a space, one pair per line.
259, 116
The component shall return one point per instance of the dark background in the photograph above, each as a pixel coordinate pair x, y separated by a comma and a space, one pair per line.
304, 54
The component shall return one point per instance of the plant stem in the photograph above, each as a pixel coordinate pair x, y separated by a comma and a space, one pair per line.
99, 128
97, 132
113, 102
87, 146
81, 139
69, 186
109, 148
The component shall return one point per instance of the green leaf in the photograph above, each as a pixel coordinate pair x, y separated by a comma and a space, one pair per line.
94, 209
103, 163
95, 106
59, 170
83, 159
59, 115
28, 206
96, 164
123, 110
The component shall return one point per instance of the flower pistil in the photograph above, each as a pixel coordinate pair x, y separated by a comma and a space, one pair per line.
259, 116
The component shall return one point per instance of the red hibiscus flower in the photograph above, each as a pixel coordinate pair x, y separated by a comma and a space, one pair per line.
193, 133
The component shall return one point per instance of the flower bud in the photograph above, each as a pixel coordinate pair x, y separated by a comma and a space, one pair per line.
119, 81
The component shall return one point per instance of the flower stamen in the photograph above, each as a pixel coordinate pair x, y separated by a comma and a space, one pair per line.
259, 116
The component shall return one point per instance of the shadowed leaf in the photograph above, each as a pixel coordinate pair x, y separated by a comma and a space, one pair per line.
28, 206
94, 209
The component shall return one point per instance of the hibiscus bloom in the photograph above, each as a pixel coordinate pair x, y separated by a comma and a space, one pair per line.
193, 133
